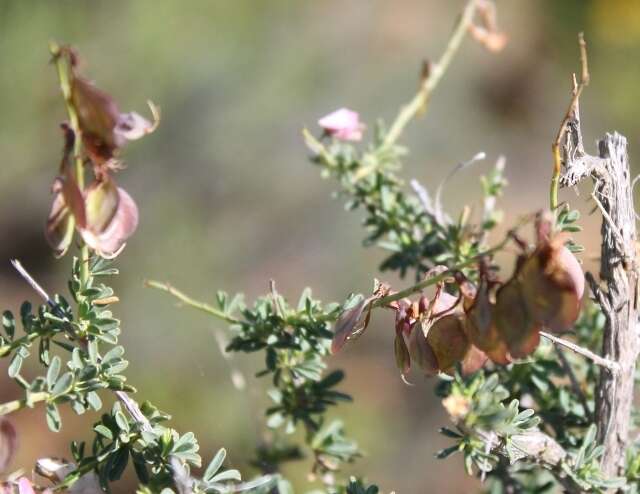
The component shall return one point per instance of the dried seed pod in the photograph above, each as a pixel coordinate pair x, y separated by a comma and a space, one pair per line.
473, 361
552, 283
480, 326
420, 351
444, 304
403, 359
515, 324
450, 345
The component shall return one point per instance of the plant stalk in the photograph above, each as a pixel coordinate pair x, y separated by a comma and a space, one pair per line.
430, 82
15, 405
62, 61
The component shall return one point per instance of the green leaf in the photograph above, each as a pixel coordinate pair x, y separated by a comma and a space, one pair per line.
122, 421
215, 465
53, 371
25, 314
332, 379
92, 348
94, 401
53, 417
118, 463
9, 324
63, 384
227, 475
15, 365
114, 354
104, 431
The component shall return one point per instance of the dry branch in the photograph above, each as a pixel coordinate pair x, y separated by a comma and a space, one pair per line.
610, 173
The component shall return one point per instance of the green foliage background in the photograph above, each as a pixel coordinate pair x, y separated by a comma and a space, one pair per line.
228, 199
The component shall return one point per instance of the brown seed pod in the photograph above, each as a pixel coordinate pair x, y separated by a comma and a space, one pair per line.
515, 324
552, 284
450, 345
403, 359
480, 326
473, 361
420, 351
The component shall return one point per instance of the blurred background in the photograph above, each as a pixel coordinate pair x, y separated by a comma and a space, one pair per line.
228, 199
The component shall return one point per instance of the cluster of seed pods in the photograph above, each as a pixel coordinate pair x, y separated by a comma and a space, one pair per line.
492, 320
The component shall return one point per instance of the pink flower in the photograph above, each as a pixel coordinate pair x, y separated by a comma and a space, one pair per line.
24, 486
105, 215
343, 124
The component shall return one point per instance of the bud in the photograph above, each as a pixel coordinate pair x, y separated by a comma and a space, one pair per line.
343, 124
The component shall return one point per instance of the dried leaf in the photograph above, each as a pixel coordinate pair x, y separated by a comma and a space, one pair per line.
98, 114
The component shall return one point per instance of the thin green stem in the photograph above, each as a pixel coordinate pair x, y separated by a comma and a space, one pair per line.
7, 349
196, 304
15, 405
411, 109
62, 61
418, 287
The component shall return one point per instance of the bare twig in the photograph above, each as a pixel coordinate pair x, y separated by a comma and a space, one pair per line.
32, 283
196, 304
571, 111
618, 271
432, 280
595, 358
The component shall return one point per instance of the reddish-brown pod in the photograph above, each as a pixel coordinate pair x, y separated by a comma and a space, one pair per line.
450, 345
553, 284
420, 351
480, 326
515, 324
473, 361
